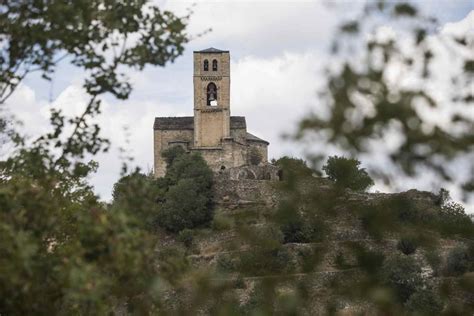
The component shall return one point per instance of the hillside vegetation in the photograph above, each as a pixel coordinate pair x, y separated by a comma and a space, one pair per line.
308, 245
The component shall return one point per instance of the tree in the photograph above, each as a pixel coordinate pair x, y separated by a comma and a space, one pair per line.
62, 251
460, 260
403, 274
407, 245
137, 193
425, 302
381, 85
97, 36
292, 168
187, 187
346, 173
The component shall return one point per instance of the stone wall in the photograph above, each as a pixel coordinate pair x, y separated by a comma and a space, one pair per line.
233, 193
229, 155
163, 139
211, 126
264, 171
239, 135
260, 147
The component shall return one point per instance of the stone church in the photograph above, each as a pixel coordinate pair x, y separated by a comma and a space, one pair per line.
221, 139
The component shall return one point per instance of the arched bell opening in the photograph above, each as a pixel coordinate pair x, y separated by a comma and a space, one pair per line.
211, 94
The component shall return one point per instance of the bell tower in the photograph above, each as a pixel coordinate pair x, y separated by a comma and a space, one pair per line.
211, 97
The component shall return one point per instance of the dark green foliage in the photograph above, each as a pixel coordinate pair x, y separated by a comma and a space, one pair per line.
171, 154
341, 262
310, 258
225, 263
469, 66
451, 218
266, 254
221, 223
362, 81
407, 245
400, 210
369, 260
435, 260
92, 35
186, 236
239, 283
301, 230
460, 260
405, 8
62, 252
187, 199
256, 304
403, 275
292, 167
260, 262
346, 173
350, 27
137, 193
425, 302
298, 223
184, 207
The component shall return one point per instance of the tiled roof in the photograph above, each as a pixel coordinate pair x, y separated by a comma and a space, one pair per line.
211, 50
187, 123
254, 138
174, 123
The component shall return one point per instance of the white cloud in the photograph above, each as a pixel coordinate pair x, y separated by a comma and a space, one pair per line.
263, 28
277, 48
274, 94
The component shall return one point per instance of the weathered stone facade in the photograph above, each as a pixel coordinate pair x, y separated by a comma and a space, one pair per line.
221, 139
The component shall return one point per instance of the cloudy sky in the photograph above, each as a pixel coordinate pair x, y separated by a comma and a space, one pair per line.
278, 50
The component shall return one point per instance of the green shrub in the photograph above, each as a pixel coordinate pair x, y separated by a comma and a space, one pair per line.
225, 263
239, 283
424, 302
186, 236
460, 260
221, 223
258, 262
187, 201
403, 275
435, 261
310, 258
185, 207
172, 153
341, 262
345, 173
369, 260
452, 218
292, 167
136, 193
407, 245
299, 230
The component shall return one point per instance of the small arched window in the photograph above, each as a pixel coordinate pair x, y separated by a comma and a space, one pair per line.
206, 65
211, 94
214, 65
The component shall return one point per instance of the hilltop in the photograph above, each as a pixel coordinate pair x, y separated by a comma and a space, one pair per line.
304, 245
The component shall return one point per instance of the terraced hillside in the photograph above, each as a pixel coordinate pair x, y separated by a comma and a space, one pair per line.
304, 247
